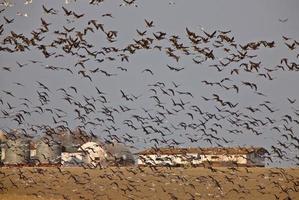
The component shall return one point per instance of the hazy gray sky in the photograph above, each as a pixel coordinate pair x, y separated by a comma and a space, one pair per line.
249, 21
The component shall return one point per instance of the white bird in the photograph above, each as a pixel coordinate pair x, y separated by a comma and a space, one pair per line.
6, 3
201, 27
21, 14
28, 2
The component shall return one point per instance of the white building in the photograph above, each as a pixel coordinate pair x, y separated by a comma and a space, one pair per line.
3, 137
71, 158
92, 153
239, 156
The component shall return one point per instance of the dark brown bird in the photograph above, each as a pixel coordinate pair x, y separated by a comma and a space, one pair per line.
107, 74
107, 15
84, 74
77, 15
68, 30
291, 101
49, 11
148, 70
291, 46
283, 20
149, 23
210, 35
67, 12
175, 69
141, 33
6, 69
8, 21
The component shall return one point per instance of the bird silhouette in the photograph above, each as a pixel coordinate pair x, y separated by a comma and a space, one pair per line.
8, 21
148, 70
283, 20
149, 23
49, 11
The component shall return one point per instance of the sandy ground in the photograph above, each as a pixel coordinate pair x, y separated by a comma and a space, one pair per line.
147, 183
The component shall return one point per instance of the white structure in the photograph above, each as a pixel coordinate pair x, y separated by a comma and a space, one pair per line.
3, 135
92, 153
71, 158
3, 138
118, 154
203, 156
2, 150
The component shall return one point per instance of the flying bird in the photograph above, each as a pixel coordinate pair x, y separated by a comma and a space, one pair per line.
283, 20
149, 24
148, 70
49, 11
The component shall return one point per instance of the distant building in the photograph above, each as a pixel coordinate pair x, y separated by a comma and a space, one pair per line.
14, 148
119, 155
47, 152
54, 147
2, 140
92, 154
3, 136
61, 147
71, 158
238, 156
78, 148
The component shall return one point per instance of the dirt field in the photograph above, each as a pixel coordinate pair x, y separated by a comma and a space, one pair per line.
147, 183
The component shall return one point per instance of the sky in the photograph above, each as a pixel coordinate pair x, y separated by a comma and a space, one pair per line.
154, 118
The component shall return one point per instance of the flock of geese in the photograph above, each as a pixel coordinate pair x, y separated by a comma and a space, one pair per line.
164, 112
